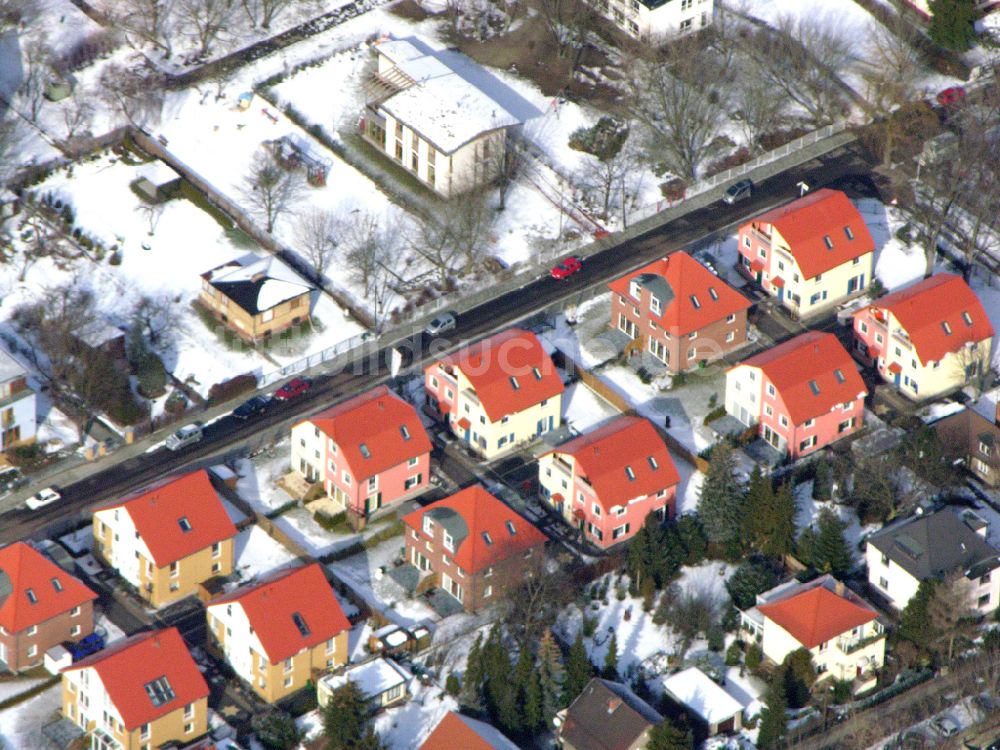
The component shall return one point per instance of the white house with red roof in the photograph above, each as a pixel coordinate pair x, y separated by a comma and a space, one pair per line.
474, 543
141, 693
458, 731
41, 605
369, 452
167, 539
811, 254
606, 483
498, 393
277, 633
801, 395
679, 311
929, 338
837, 627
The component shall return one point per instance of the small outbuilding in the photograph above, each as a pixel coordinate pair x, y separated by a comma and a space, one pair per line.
714, 707
381, 681
157, 181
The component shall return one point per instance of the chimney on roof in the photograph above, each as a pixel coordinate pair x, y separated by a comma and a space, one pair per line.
260, 276
613, 704
838, 588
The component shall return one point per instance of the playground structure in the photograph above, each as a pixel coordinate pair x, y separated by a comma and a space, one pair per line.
292, 152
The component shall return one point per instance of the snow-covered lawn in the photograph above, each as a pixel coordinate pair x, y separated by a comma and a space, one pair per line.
21, 726
406, 727
258, 479
583, 410
300, 525
17, 685
258, 554
807, 512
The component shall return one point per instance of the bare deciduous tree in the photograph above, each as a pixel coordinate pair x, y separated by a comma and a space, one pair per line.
890, 65
755, 107
77, 113
262, 12
133, 92
158, 318
147, 21
457, 236
269, 189
371, 250
317, 233
37, 67
531, 604
152, 213
14, 13
206, 20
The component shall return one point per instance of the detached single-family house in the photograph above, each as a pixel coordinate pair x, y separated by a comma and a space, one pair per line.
801, 395
811, 254
256, 296
929, 338
17, 404
975, 440
41, 606
606, 482
369, 452
941, 545
475, 544
167, 539
497, 393
277, 633
694, 691
657, 20
838, 628
606, 714
141, 693
435, 113
679, 311
382, 682
456, 731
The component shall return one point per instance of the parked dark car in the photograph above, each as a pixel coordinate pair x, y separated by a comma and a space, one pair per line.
251, 407
86, 646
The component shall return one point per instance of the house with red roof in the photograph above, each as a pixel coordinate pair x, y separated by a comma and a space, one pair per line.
141, 693
473, 544
167, 539
811, 254
41, 606
606, 482
458, 731
837, 627
278, 633
927, 339
498, 393
679, 312
369, 452
800, 395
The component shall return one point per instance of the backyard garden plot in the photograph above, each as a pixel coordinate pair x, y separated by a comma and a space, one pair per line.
258, 554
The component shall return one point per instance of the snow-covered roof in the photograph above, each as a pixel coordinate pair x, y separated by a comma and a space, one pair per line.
99, 334
10, 368
257, 283
396, 638
157, 173
373, 677
697, 691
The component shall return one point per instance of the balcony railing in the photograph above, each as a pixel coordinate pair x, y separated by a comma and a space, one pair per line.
850, 645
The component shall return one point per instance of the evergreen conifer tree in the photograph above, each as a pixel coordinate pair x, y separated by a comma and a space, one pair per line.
472, 680
831, 554
579, 670
773, 722
610, 671
668, 736
720, 504
551, 676
780, 536
952, 23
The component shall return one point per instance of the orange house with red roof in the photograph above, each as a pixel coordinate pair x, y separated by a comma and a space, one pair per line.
475, 544
838, 628
606, 482
457, 731
679, 311
168, 538
801, 395
41, 605
497, 393
139, 694
929, 338
811, 254
369, 452
277, 634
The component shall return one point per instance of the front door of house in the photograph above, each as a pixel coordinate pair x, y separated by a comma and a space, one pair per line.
373, 502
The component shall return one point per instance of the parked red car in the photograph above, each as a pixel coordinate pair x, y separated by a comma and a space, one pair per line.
951, 95
293, 388
567, 268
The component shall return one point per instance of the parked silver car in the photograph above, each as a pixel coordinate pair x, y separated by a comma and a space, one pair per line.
738, 191
185, 436
444, 322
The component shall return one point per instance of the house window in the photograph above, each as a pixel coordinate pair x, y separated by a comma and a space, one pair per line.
57, 584
983, 600
597, 510
189, 711
731, 318
216, 549
412, 482
985, 578
630, 473
144, 732
32, 650
175, 569
428, 526
487, 592
32, 629
846, 425
730, 337
652, 463
808, 443
746, 240
839, 375
346, 477
620, 531
784, 420
946, 328
808, 423
770, 390
413, 462
449, 543
654, 304
883, 583
75, 612
863, 327
768, 410
75, 630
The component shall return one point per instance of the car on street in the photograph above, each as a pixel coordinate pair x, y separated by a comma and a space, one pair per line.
738, 191
443, 322
950, 96
185, 436
567, 267
11, 479
291, 389
42, 498
945, 726
251, 407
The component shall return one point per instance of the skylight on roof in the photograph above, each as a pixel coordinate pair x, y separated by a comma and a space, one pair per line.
629, 473
695, 302
967, 318
364, 451
828, 242
537, 373
404, 432
814, 387
300, 623
184, 523
946, 327
652, 463
713, 294
849, 233
839, 375
57, 584
510, 528
31, 596
159, 691
487, 538
514, 384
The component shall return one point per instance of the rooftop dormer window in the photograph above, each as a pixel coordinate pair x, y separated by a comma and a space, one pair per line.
184, 523
159, 691
634, 289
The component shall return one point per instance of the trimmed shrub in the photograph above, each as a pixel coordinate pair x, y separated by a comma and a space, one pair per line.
227, 389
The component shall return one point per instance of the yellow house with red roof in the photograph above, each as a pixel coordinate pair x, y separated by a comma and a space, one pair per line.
475, 545
810, 254
929, 338
167, 539
41, 605
139, 694
606, 482
279, 633
497, 394
838, 628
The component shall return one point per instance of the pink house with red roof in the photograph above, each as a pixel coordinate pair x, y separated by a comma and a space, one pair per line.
811, 254
679, 311
927, 339
278, 633
800, 395
41, 605
143, 692
475, 545
497, 393
369, 452
606, 483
